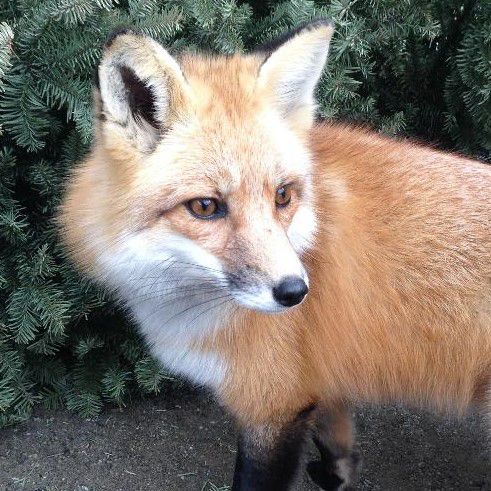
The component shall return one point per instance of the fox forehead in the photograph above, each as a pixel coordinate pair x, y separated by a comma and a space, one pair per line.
231, 139
260, 150
223, 86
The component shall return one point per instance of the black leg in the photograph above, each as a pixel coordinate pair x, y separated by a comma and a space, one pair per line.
268, 455
339, 465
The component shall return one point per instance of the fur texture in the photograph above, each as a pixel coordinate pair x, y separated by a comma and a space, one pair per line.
393, 238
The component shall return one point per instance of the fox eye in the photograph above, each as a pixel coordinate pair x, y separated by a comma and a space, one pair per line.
206, 208
283, 196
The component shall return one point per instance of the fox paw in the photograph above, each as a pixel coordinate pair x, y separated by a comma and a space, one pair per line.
339, 475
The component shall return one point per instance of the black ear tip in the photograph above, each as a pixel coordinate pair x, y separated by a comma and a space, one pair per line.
313, 24
310, 25
119, 31
318, 22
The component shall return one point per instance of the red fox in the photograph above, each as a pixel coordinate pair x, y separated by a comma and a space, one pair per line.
292, 267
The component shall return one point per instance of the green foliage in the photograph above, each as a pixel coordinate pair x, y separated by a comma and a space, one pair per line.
405, 67
149, 374
6, 36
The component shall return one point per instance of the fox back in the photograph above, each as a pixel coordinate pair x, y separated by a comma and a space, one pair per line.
211, 204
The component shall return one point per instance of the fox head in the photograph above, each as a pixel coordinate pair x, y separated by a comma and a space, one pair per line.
200, 175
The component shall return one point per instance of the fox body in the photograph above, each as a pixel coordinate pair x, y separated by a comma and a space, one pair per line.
211, 202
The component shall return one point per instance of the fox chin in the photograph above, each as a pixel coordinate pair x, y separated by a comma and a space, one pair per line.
292, 267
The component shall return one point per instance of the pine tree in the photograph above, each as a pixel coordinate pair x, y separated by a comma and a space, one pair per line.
409, 68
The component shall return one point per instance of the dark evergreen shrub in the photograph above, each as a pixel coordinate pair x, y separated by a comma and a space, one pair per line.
419, 68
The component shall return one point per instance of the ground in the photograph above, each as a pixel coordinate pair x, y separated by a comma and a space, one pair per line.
183, 441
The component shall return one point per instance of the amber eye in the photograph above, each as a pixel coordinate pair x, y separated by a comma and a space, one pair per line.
206, 208
283, 196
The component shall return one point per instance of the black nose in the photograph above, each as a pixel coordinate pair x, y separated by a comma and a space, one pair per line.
290, 291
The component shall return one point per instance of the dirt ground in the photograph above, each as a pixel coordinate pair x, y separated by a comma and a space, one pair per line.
183, 441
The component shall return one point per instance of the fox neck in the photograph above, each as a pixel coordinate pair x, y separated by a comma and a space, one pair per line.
173, 328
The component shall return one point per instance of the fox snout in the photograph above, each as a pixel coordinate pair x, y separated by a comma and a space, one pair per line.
258, 292
271, 286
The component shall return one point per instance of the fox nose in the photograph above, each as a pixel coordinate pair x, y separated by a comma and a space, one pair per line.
290, 291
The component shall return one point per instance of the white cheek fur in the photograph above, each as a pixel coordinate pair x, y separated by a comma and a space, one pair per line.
258, 299
302, 229
175, 292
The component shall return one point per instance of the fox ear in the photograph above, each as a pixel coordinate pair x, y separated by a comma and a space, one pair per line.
293, 66
141, 86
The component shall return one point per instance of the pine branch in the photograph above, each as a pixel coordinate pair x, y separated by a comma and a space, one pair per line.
73, 12
150, 375
22, 112
6, 37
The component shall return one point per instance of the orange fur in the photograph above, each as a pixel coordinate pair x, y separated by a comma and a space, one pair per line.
401, 285
400, 271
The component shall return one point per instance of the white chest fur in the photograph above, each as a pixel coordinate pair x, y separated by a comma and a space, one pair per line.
173, 329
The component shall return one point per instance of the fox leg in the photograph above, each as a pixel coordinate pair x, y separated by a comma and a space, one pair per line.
268, 455
333, 435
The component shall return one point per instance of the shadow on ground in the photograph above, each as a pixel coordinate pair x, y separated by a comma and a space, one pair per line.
184, 441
